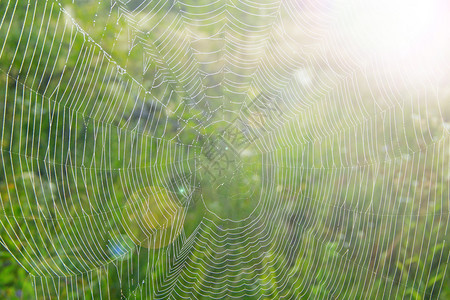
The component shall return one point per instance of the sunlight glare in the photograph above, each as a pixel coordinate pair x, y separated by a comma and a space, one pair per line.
401, 31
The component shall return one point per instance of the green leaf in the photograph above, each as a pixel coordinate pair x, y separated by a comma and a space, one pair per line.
435, 279
434, 251
413, 293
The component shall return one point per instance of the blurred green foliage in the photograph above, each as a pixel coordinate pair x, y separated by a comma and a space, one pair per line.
349, 239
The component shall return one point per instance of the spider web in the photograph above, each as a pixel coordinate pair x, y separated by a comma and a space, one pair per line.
219, 149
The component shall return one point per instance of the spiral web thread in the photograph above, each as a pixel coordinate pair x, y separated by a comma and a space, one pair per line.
107, 104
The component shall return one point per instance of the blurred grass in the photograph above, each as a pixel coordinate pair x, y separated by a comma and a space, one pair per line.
335, 235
